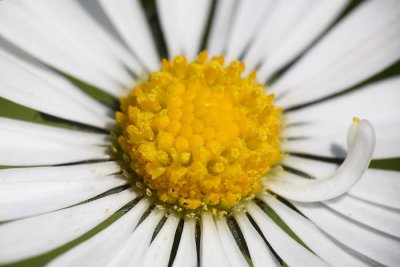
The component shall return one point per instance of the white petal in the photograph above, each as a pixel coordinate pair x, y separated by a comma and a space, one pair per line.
132, 252
329, 118
361, 141
170, 14
249, 15
291, 252
58, 173
304, 31
183, 24
379, 247
211, 250
19, 84
377, 217
378, 102
277, 25
229, 243
334, 146
130, 22
39, 69
345, 63
186, 256
97, 250
160, 249
63, 135
195, 17
56, 45
36, 148
220, 27
260, 254
377, 186
72, 22
315, 168
36, 235
313, 237
24, 199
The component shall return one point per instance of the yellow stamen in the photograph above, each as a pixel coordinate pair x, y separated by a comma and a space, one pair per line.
200, 134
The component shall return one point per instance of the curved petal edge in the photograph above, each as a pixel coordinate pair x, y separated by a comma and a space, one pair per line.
361, 145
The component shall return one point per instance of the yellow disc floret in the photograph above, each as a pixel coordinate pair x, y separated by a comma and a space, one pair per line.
199, 134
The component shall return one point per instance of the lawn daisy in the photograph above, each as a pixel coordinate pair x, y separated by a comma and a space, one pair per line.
200, 159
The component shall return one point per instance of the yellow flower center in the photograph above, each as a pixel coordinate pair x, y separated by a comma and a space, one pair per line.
199, 134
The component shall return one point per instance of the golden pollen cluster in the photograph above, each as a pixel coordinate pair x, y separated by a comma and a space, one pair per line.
199, 134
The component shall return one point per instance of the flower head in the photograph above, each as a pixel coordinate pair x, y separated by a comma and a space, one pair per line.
199, 134
198, 160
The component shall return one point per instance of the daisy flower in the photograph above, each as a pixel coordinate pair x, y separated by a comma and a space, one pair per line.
224, 143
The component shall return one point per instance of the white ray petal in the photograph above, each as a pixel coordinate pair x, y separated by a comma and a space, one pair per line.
379, 247
302, 34
313, 237
130, 22
39, 69
33, 236
334, 146
19, 84
25, 143
36, 148
311, 167
54, 133
97, 250
211, 250
132, 252
277, 25
186, 256
221, 26
377, 186
194, 22
170, 14
32, 33
361, 141
291, 252
377, 217
260, 254
246, 22
160, 249
58, 173
183, 24
345, 63
328, 118
229, 243
75, 25
378, 102
24, 199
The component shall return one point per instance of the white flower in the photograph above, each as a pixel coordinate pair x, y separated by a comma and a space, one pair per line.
347, 216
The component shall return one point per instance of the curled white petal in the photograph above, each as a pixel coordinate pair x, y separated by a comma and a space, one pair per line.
361, 142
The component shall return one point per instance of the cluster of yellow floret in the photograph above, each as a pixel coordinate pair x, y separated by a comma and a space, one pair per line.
199, 134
